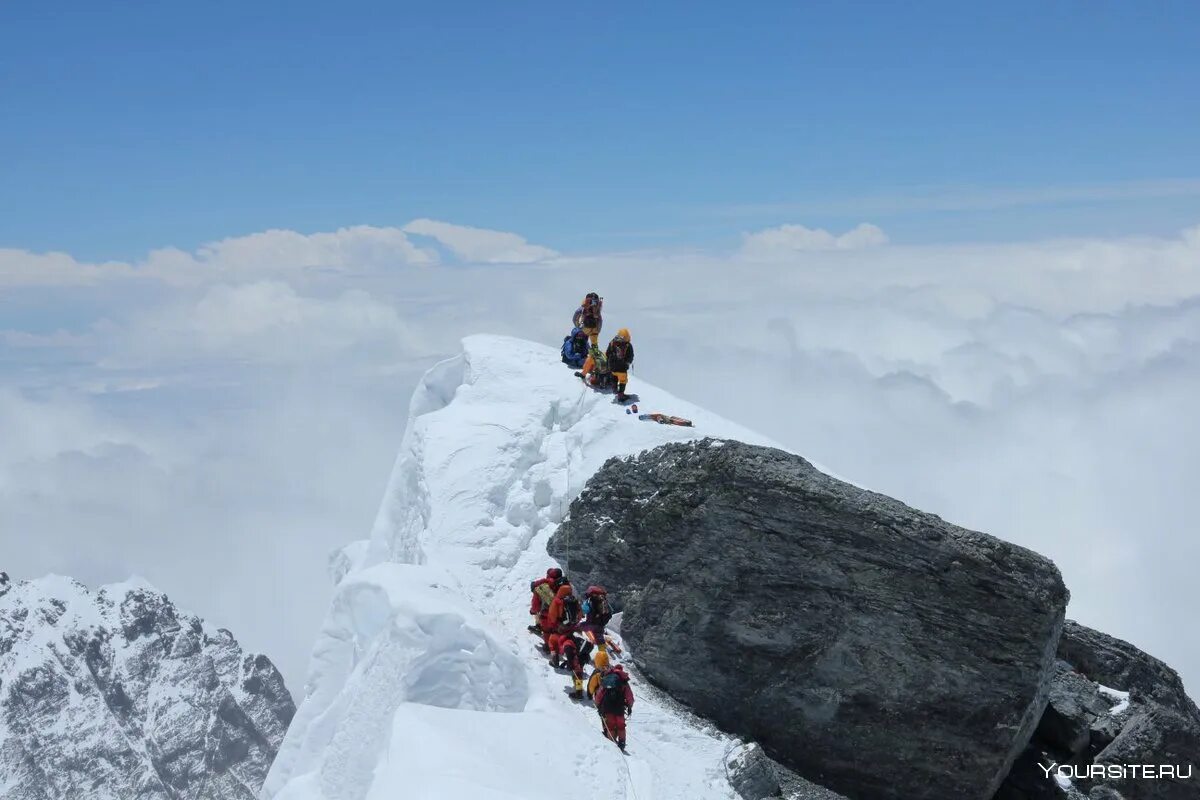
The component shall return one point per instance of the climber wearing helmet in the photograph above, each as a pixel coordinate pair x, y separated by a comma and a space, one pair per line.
601, 665
620, 359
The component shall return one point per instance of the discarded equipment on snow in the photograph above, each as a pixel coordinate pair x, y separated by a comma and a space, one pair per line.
666, 419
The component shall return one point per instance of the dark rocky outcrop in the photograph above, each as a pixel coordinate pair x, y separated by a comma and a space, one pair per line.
875, 649
118, 694
1087, 725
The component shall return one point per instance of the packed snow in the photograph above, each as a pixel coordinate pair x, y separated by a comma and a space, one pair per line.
1120, 699
424, 682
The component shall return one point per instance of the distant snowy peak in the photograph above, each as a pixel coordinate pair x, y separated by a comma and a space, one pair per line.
118, 694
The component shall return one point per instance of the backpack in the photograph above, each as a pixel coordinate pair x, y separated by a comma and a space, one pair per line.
570, 613
590, 318
574, 348
620, 352
613, 701
545, 593
600, 360
595, 608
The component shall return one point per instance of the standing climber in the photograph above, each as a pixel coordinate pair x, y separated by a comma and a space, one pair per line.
595, 371
588, 316
601, 666
549, 614
614, 702
563, 612
542, 591
596, 614
620, 359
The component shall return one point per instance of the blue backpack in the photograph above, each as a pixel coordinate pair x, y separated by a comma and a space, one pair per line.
574, 348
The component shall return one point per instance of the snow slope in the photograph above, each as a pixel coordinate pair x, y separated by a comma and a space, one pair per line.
424, 682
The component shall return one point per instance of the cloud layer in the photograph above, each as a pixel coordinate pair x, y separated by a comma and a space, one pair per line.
283, 253
232, 413
787, 240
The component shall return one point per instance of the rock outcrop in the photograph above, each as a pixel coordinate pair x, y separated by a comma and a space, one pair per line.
1111, 707
874, 649
118, 694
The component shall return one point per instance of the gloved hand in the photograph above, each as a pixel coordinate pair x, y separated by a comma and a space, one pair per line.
629, 711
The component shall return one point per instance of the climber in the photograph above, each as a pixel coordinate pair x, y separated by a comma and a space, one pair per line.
563, 612
620, 359
564, 652
596, 614
588, 317
601, 666
545, 621
595, 371
542, 591
614, 702
575, 348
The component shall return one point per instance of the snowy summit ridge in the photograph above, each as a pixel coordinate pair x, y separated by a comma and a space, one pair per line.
424, 682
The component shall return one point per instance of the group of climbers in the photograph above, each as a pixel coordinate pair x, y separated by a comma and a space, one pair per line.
570, 629
602, 370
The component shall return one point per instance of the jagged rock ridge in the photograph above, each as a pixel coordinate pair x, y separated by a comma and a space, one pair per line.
1111, 705
118, 694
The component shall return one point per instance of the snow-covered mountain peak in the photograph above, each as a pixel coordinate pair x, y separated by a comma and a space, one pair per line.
118, 694
424, 682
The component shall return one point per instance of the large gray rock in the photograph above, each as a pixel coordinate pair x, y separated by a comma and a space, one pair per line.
118, 694
875, 649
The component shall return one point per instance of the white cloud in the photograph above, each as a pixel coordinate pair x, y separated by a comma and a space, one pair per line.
271, 322
280, 253
23, 268
787, 240
480, 245
1041, 391
358, 248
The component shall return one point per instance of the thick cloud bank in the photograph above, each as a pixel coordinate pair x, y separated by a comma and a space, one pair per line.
225, 417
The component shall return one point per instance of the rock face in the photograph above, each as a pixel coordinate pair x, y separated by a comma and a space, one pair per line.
756, 776
1111, 706
118, 694
873, 648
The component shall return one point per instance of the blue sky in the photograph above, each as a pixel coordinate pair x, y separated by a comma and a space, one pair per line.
590, 126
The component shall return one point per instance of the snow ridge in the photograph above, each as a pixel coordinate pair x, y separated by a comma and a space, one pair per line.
424, 682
